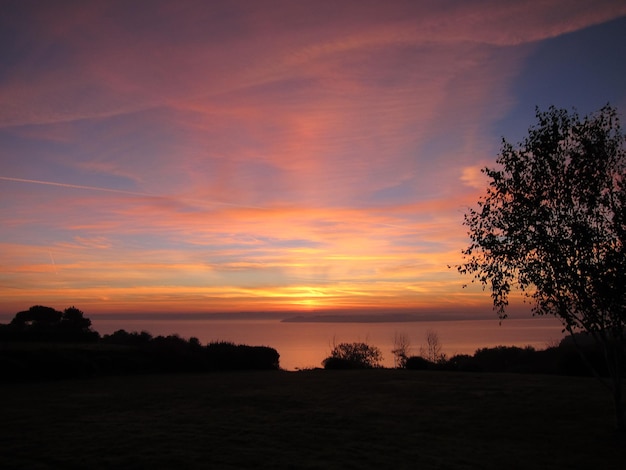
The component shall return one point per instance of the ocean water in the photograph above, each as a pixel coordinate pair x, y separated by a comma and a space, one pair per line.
305, 345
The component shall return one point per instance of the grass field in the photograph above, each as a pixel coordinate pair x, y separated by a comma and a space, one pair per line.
315, 419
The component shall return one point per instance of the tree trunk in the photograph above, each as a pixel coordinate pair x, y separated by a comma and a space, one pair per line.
613, 358
617, 374
620, 415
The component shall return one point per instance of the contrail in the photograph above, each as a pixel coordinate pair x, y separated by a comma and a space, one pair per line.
73, 186
53, 263
121, 191
136, 193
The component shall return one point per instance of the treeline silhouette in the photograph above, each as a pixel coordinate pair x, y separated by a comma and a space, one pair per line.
576, 356
42, 343
564, 359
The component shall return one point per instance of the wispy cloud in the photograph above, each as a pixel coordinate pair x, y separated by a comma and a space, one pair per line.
130, 60
254, 155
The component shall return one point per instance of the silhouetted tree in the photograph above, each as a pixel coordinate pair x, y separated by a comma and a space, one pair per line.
433, 351
75, 318
74, 326
401, 349
353, 356
40, 323
37, 314
553, 224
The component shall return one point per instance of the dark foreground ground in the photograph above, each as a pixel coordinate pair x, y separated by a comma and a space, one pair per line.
383, 419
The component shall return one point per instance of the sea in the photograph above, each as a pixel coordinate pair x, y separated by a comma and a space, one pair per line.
304, 345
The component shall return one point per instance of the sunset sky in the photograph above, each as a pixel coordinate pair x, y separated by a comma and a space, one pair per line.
260, 155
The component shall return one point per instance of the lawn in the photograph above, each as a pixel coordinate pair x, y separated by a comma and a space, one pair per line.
314, 419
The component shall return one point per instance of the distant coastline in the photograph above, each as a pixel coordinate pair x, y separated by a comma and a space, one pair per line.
379, 318
293, 316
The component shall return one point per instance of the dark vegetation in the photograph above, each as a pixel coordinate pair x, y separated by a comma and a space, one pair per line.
42, 343
564, 359
353, 356
574, 357
365, 419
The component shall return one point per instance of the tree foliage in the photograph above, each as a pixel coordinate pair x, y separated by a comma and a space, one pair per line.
553, 225
40, 323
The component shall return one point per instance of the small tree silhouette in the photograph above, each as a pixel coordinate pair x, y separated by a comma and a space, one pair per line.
433, 350
74, 326
401, 349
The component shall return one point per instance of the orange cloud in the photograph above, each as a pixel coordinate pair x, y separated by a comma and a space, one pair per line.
254, 155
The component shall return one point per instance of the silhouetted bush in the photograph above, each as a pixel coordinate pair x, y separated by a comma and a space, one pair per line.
229, 356
419, 363
353, 356
463, 363
338, 363
564, 359
505, 359
123, 337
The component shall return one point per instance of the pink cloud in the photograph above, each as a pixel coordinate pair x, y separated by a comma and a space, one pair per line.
247, 153
118, 61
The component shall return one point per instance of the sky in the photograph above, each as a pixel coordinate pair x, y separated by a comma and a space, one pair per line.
277, 155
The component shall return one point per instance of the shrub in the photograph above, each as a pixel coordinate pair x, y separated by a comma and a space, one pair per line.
223, 355
123, 337
463, 362
418, 363
505, 358
353, 356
